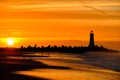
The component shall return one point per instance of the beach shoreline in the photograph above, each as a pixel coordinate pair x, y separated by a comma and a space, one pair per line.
89, 66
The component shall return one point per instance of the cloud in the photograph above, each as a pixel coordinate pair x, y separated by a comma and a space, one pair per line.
59, 9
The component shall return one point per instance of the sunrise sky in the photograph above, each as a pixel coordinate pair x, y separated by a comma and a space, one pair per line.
32, 20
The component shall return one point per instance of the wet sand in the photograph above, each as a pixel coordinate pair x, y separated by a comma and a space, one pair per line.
8, 67
90, 66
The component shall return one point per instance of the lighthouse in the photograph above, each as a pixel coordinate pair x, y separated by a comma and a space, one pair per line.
91, 42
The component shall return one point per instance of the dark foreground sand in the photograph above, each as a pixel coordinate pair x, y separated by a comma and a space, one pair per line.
61, 66
9, 65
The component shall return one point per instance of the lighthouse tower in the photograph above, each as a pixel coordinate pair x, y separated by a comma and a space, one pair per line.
91, 42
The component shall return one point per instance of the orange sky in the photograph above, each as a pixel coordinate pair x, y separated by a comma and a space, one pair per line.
59, 19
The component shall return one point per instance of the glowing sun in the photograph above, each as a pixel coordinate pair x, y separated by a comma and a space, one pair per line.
10, 41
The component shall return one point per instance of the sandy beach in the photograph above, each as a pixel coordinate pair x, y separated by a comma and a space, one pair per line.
89, 66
